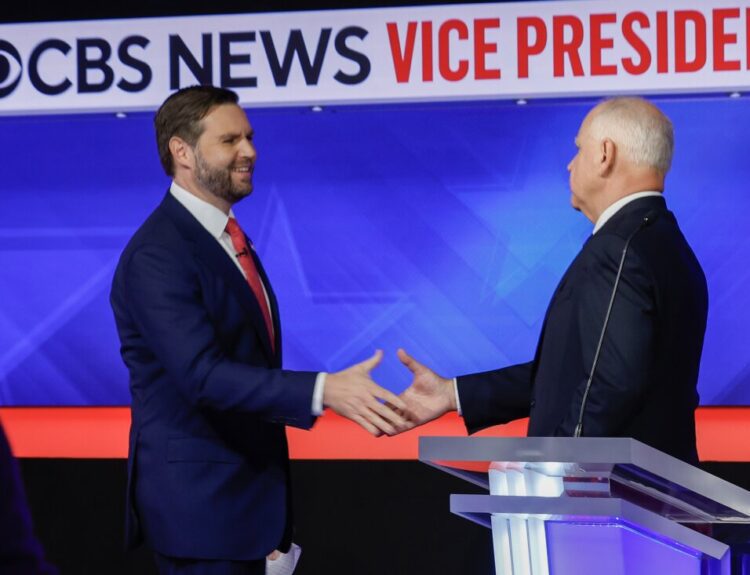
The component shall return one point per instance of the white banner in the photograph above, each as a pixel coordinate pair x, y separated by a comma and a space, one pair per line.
508, 50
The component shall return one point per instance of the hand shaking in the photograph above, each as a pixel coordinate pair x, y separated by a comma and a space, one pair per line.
353, 394
429, 396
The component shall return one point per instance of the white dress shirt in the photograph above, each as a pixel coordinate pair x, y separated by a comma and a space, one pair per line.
215, 223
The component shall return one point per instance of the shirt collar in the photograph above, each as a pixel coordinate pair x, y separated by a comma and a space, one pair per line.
618, 205
210, 217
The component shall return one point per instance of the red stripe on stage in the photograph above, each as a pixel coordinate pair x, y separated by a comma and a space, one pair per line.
102, 432
75, 432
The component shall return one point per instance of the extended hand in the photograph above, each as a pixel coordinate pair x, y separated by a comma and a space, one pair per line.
429, 396
353, 394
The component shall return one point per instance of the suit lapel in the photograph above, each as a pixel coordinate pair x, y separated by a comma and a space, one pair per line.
558, 290
209, 252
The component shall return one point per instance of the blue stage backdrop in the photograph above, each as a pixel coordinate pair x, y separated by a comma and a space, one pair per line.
442, 228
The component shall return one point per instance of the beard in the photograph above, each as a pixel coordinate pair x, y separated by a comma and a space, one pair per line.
219, 181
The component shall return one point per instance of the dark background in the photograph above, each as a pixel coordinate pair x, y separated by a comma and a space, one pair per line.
352, 518
90, 10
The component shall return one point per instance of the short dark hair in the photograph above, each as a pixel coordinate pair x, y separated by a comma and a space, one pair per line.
181, 115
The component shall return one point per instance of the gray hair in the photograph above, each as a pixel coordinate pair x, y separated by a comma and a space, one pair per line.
638, 128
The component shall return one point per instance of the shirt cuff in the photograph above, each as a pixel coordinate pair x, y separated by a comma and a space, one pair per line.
317, 400
458, 399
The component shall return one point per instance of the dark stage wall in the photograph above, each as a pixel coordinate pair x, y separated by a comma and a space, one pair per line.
353, 517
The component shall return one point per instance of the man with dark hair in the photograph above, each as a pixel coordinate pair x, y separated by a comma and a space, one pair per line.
199, 325
182, 115
647, 356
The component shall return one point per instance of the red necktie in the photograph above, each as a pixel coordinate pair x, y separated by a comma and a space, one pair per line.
251, 272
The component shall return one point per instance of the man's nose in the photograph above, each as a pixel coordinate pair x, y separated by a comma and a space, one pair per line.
247, 149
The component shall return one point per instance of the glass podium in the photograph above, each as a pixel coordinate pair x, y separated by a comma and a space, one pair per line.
585, 506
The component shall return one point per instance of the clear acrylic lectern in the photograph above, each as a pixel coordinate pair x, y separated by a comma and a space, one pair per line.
585, 506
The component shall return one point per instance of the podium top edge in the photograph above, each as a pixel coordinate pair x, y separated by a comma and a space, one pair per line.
614, 450
590, 454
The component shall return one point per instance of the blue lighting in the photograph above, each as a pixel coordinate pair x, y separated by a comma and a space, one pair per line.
442, 228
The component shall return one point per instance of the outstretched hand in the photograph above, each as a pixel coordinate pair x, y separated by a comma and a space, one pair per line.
429, 396
353, 394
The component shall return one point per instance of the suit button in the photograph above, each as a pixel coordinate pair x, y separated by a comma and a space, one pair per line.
533, 403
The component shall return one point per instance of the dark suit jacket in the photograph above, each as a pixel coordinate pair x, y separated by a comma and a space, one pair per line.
20, 552
208, 462
645, 383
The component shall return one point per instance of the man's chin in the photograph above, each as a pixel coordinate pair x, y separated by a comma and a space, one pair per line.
239, 193
574, 203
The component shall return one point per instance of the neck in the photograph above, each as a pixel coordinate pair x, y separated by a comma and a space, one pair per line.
190, 185
626, 185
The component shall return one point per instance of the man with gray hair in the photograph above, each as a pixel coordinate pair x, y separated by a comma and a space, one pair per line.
621, 342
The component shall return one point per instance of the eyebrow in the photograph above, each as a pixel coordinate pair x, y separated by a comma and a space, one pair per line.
225, 135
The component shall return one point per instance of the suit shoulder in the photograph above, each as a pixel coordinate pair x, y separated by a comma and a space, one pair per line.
605, 258
158, 231
606, 245
648, 233
157, 238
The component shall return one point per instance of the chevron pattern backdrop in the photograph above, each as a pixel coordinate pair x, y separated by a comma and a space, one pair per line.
442, 228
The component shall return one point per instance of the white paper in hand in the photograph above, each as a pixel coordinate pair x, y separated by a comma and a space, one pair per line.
286, 562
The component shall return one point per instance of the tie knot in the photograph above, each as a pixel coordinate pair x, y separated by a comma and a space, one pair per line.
239, 240
233, 228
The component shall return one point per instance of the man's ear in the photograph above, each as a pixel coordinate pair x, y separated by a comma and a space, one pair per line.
607, 156
182, 153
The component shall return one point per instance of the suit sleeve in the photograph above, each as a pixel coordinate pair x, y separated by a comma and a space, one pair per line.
495, 397
624, 368
162, 298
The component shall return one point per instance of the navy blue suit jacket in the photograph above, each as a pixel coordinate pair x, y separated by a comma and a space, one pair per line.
208, 460
645, 382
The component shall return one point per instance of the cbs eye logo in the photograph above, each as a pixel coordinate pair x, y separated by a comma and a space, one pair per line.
10, 68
